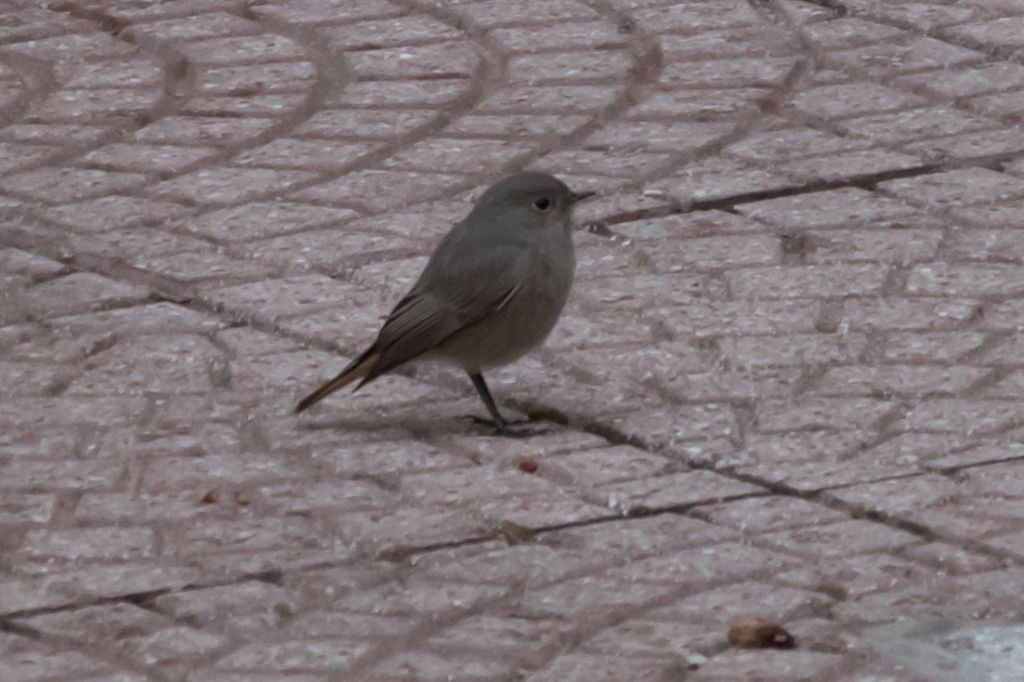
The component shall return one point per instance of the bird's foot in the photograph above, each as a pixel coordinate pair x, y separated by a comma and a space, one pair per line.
504, 428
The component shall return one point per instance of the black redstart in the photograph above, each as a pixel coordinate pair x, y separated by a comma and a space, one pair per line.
492, 290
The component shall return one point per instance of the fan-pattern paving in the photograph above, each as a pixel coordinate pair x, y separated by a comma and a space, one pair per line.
788, 383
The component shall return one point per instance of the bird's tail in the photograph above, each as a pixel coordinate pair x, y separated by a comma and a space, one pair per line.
359, 368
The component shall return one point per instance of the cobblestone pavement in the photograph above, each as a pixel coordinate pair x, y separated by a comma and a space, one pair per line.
788, 385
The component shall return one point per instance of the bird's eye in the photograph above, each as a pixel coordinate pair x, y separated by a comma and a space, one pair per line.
542, 204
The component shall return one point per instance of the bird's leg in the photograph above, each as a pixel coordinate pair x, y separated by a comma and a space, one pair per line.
499, 423
485, 395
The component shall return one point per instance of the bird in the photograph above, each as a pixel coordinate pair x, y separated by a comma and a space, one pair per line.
492, 290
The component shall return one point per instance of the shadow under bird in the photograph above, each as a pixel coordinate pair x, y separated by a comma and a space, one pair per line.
492, 290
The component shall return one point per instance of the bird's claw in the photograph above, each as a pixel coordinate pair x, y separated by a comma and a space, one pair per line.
503, 428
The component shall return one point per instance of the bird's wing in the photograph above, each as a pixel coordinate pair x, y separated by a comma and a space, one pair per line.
454, 296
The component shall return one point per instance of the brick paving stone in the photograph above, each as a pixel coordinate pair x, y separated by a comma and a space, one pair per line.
834, 208
504, 638
686, 19
592, 597
632, 540
256, 220
68, 184
46, 132
962, 280
15, 157
837, 413
787, 143
177, 365
603, 668
852, 99
155, 318
72, 293
982, 143
728, 73
680, 136
898, 246
1009, 105
205, 25
113, 212
364, 188
807, 282
20, 594
492, 13
896, 314
503, 564
904, 56
222, 185
204, 264
409, 94
900, 127
713, 104
376, 33
959, 416
129, 72
933, 347
175, 8
568, 66
291, 153
63, 475
957, 188
138, 244
18, 262
273, 298
327, 249
550, 99
447, 155
849, 32
73, 105
967, 82
852, 537
256, 79
726, 42
202, 129
143, 158
648, 639
440, 60
557, 36
668, 491
1003, 33
383, 124
701, 568
897, 379
525, 126
239, 50
717, 607
801, 665
109, 544
75, 45
849, 164
715, 178
28, 660
315, 11
142, 634
293, 656
596, 162
923, 14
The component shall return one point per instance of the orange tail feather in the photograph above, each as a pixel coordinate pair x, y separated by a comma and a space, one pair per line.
358, 369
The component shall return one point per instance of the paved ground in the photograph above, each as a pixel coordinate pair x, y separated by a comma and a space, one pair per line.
789, 383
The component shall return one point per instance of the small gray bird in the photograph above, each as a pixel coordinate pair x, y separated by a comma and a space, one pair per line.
492, 290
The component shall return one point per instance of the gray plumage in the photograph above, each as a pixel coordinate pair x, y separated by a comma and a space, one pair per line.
492, 290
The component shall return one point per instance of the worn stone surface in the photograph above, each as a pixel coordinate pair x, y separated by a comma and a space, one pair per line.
788, 383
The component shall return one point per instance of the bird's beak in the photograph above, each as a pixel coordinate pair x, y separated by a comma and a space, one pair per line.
575, 197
